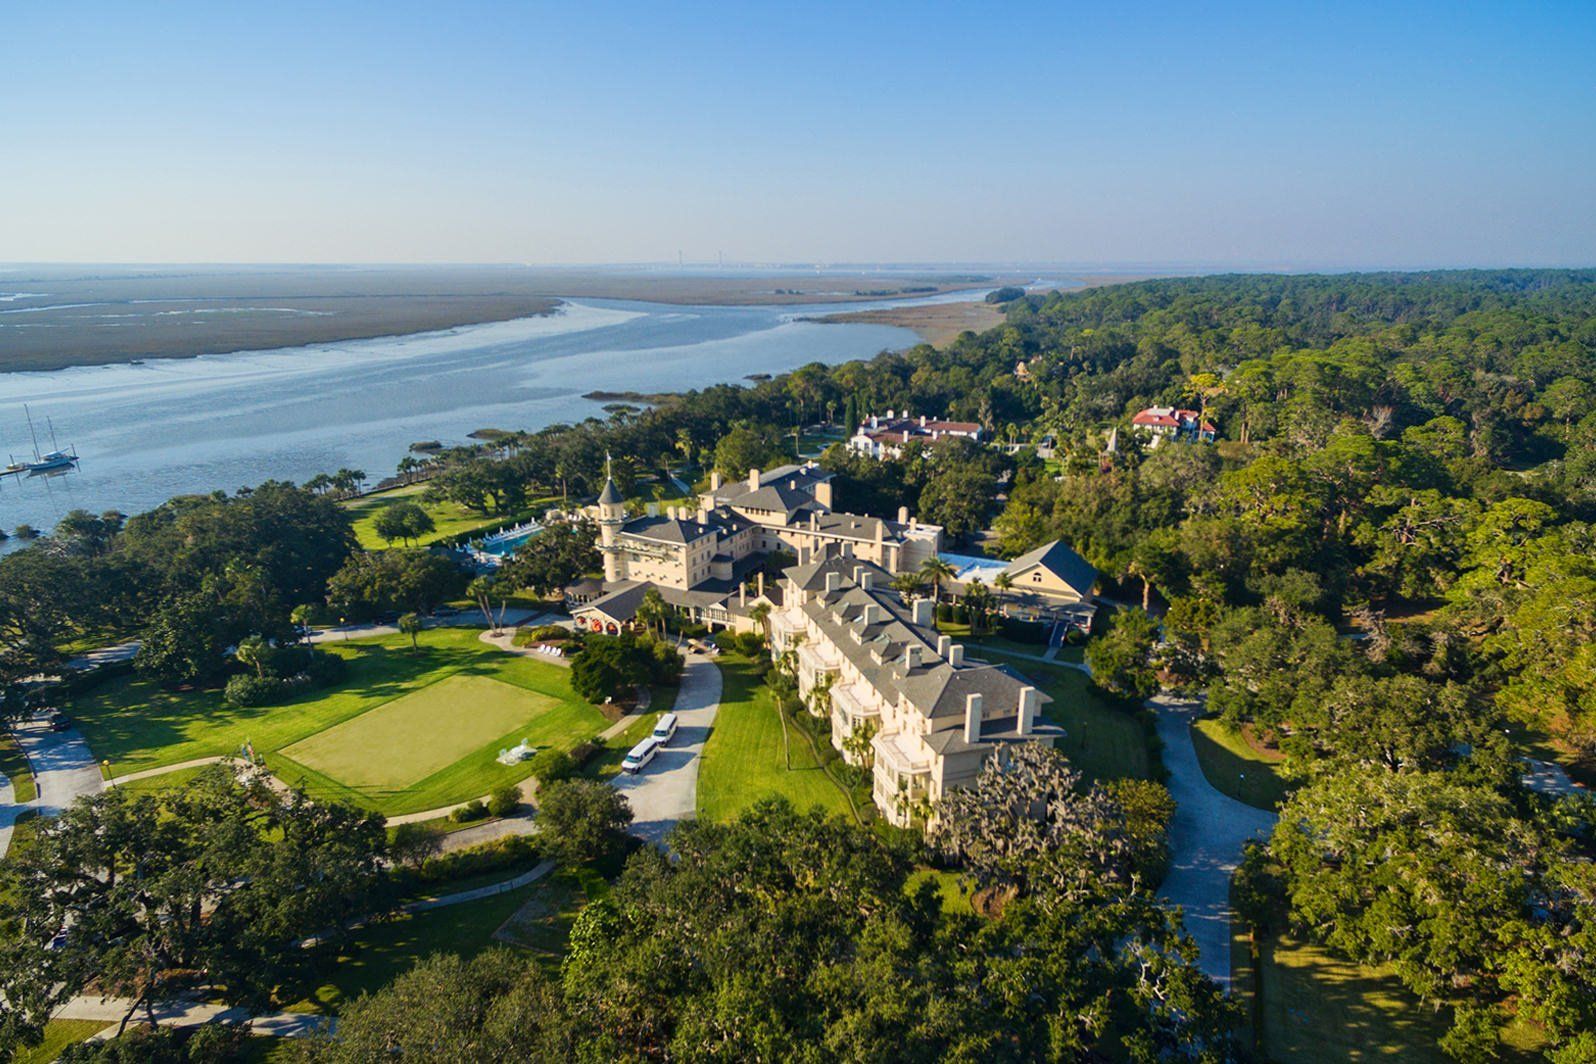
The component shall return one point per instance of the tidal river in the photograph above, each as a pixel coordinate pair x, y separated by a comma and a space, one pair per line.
172, 426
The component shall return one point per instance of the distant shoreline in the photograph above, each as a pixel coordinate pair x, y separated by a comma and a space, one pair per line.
58, 322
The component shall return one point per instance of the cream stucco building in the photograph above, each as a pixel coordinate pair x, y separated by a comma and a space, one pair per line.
877, 666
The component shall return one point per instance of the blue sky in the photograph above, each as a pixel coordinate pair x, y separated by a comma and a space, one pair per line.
1249, 135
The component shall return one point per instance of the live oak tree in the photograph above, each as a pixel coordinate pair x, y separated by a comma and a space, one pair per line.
215, 882
1474, 893
402, 521
1122, 658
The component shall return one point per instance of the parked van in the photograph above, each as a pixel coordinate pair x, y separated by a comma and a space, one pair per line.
640, 755
665, 728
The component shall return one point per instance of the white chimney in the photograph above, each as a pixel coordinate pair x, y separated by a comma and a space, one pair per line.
742, 594
703, 516
903, 515
753, 480
911, 658
922, 421
858, 575
956, 655
924, 613
944, 646
867, 580
1030, 704
761, 581
714, 480
972, 718
833, 581
871, 614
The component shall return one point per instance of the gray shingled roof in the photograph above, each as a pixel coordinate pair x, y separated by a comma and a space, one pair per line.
1063, 562
610, 494
667, 529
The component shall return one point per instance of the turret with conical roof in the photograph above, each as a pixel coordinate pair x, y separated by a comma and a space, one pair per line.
611, 516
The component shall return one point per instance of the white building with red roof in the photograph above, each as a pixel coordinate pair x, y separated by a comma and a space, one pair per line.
886, 437
1170, 423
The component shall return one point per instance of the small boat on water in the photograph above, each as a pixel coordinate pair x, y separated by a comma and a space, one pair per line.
50, 463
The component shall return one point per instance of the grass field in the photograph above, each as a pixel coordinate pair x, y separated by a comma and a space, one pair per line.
14, 766
384, 749
381, 951
138, 725
1102, 737
166, 781
1235, 768
449, 519
58, 1034
744, 760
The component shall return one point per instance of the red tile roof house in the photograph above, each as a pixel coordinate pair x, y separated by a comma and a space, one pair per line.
885, 437
1166, 422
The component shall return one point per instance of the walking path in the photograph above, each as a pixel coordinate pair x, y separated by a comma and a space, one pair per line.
1206, 838
151, 773
666, 792
183, 1013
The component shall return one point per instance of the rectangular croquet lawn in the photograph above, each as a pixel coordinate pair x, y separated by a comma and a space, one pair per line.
136, 724
401, 743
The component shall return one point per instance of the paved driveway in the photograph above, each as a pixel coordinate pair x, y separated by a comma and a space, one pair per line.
1206, 838
63, 765
667, 790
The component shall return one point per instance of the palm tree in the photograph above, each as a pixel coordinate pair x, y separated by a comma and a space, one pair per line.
479, 590
908, 585
934, 570
1004, 584
301, 617
856, 744
252, 652
978, 600
652, 611
410, 625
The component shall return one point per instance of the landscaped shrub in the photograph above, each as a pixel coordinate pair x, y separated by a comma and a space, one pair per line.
944, 612
247, 689
475, 860
543, 633
472, 810
551, 765
411, 844
503, 801
1036, 632
582, 753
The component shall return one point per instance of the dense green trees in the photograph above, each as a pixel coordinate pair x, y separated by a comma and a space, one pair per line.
1479, 896
608, 667
389, 581
215, 882
561, 554
795, 936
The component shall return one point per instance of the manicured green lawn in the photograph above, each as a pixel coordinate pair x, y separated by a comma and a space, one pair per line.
58, 1034
449, 518
744, 760
138, 725
1235, 768
954, 899
166, 781
380, 952
1317, 1007
1102, 737
14, 766
401, 743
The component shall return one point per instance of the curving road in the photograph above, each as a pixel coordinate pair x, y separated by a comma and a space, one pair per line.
1206, 838
667, 790
63, 767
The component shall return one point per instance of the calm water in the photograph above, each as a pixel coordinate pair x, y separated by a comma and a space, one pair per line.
148, 432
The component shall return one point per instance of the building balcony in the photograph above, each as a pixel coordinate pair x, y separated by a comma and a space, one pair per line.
814, 660
896, 755
854, 705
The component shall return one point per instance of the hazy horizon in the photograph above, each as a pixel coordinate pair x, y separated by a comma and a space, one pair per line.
1156, 138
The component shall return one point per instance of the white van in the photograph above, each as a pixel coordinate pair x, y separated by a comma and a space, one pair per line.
640, 755
665, 729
